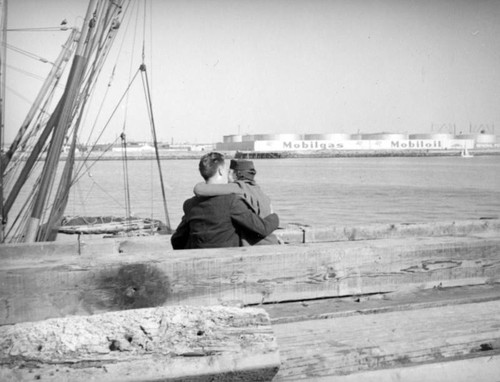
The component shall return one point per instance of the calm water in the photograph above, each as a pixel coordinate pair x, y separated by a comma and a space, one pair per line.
314, 191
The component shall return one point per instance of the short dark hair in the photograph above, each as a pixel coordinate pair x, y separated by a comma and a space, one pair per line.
210, 163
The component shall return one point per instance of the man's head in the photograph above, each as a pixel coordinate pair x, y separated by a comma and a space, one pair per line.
242, 170
213, 168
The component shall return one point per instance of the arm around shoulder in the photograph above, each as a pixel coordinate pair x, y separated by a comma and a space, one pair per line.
204, 189
246, 218
273, 219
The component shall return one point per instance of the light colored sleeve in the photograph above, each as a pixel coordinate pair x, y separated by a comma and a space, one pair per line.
244, 217
203, 189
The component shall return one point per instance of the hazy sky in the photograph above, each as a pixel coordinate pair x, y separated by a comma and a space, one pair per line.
266, 66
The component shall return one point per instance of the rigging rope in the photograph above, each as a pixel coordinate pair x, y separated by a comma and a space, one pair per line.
17, 226
125, 175
155, 141
108, 122
100, 52
40, 29
94, 183
95, 39
29, 54
102, 101
90, 80
149, 102
28, 74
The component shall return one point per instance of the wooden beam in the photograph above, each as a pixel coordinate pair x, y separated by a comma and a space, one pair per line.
292, 234
408, 299
36, 286
478, 369
348, 345
318, 234
167, 344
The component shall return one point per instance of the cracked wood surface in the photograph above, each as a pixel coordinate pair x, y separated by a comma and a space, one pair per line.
369, 342
403, 300
35, 287
173, 343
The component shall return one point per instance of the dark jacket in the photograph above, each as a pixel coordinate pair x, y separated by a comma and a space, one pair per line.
219, 221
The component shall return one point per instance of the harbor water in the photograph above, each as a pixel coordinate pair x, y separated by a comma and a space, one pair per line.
315, 191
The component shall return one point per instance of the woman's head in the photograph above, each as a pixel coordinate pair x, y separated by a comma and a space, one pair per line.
242, 170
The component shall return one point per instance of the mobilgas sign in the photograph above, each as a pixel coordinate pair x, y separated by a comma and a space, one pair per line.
408, 144
312, 145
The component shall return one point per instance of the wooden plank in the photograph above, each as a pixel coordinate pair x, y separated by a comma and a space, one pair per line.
380, 303
167, 344
348, 345
73, 247
291, 234
317, 234
159, 243
35, 287
13, 251
478, 369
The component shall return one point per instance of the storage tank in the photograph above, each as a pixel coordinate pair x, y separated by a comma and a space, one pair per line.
465, 136
278, 137
266, 137
384, 137
248, 138
434, 136
327, 137
232, 138
488, 139
289, 137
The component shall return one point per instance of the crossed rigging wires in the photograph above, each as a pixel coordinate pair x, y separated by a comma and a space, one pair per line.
92, 49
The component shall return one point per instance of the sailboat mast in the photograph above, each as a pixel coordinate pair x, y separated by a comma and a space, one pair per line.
104, 27
3, 54
64, 56
63, 123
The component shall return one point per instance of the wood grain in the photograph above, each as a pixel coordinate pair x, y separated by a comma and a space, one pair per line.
403, 300
175, 343
349, 345
36, 286
477, 369
317, 234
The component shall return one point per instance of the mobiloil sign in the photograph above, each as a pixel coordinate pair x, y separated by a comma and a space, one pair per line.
418, 144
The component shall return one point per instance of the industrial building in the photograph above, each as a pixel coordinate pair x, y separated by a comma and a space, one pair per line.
355, 142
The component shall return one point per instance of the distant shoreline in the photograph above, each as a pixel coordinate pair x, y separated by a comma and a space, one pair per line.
178, 155
363, 153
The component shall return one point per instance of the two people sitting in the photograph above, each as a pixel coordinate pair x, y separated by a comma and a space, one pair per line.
226, 214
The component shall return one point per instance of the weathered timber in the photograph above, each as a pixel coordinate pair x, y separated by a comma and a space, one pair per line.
35, 286
403, 300
168, 344
477, 369
292, 234
319, 234
326, 348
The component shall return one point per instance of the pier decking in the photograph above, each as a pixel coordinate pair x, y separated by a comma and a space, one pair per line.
396, 302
